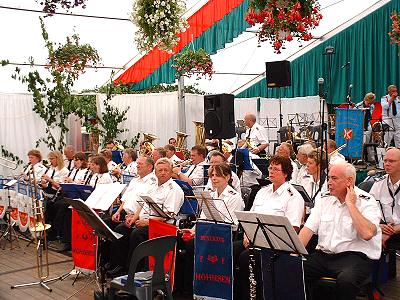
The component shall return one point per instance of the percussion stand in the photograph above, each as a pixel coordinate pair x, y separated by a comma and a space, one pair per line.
9, 234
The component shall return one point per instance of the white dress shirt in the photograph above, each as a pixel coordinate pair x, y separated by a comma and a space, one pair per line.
311, 186
301, 173
111, 165
196, 173
130, 169
285, 201
79, 175
336, 158
295, 172
389, 207
331, 220
138, 186
100, 179
56, 174
169, 196
38, 169
69, 163
258, 134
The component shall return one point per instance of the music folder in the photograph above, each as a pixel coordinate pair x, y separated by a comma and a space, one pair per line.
76, 191
271, 232
307, 200
92, 218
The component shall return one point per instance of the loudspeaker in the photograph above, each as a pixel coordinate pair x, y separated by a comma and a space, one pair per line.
219, 116
278, 73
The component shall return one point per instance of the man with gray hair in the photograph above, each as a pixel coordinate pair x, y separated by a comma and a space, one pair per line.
69, 152
302, 154
346, 220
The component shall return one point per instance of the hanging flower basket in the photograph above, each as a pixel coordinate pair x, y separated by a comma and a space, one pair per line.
283, 20
50, 6
159, 22
191, 62
395, 33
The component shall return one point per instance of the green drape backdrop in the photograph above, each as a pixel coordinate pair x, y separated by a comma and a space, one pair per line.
374, 63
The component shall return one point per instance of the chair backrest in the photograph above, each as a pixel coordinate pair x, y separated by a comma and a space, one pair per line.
157, 248
366, 185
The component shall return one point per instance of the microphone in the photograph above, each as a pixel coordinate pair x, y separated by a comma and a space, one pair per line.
345, 65
321, 87
349, 89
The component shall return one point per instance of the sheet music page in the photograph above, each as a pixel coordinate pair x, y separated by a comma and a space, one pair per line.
104, 195
153, 207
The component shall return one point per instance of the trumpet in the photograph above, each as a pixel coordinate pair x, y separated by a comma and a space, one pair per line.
7, 163
337, 150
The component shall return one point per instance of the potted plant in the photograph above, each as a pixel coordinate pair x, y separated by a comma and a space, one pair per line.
283, 20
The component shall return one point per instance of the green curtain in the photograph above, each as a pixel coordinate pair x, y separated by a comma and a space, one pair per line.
374, 63
212, 40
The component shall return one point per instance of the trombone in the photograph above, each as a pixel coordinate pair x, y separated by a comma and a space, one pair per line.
7, 163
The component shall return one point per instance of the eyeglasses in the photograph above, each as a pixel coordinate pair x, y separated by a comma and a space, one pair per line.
272, 169
77, 159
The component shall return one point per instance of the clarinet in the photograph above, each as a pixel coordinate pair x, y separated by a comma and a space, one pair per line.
252, 277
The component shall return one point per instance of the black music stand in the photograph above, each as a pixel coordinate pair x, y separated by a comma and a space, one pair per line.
100, 229
9, 231
306, 197
154, 209
209, 208
270, 232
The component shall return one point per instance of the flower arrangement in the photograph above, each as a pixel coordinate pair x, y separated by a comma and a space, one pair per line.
73, 58
158, 22
395, 33
283, 20
190, 62
50, 6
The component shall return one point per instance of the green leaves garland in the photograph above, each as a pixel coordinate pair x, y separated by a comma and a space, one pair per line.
50, 6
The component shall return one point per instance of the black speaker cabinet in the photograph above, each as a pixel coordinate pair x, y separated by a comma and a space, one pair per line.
219, 116
278, 73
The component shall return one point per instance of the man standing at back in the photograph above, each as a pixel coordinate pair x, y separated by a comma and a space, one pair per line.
256, 135
391, 115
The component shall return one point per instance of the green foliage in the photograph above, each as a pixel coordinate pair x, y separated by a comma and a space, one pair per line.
50, 6
159, 88
4, 62
52, 97
9, 155
132, 143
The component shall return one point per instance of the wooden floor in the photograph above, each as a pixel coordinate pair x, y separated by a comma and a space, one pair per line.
19, 266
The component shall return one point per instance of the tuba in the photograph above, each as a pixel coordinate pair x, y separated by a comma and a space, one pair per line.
180, 139
147, 146
200, 137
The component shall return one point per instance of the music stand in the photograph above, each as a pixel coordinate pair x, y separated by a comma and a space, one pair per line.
76, 191
271, 232
306, 197
154, 209
209, 207
100, 229
10, 232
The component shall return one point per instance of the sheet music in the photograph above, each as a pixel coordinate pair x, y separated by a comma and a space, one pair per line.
212, 208
104, 195
278, 228
152, 206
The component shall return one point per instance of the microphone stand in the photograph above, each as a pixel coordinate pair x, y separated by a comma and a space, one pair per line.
323, 140
10, 231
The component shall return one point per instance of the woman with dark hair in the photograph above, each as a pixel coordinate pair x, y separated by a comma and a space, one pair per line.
80, 173
100, 171
279, 198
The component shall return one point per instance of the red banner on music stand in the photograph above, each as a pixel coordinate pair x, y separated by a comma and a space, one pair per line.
83, 243
159, 229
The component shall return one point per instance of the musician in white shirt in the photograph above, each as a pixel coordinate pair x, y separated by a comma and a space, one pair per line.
195, 174
35, 158
391, 115
69, 152
170, 151
100, 171
286, 150
334, 157
129, 166
80, 173
107, 154
386, 192
217, 158
256, 134
302, 158
346, 220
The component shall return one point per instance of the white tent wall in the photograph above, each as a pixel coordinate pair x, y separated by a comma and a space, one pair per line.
20, 127
157, 114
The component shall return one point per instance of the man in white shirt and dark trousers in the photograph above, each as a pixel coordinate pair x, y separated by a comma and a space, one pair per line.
256, 134
349, 237
391, 115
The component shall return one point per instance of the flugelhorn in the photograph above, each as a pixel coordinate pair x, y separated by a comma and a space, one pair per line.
147, 146
200, 137
180, 139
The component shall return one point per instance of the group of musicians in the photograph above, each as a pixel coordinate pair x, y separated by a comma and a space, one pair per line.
349, 226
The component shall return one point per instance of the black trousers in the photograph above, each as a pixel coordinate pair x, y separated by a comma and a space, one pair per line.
137, 236
119, 249
350, 269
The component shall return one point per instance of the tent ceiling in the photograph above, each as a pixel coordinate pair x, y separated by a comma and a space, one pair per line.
114, 41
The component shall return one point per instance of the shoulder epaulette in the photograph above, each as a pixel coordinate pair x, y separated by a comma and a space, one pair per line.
379, 178
325, 194
290, 192
232, 192
365, 197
